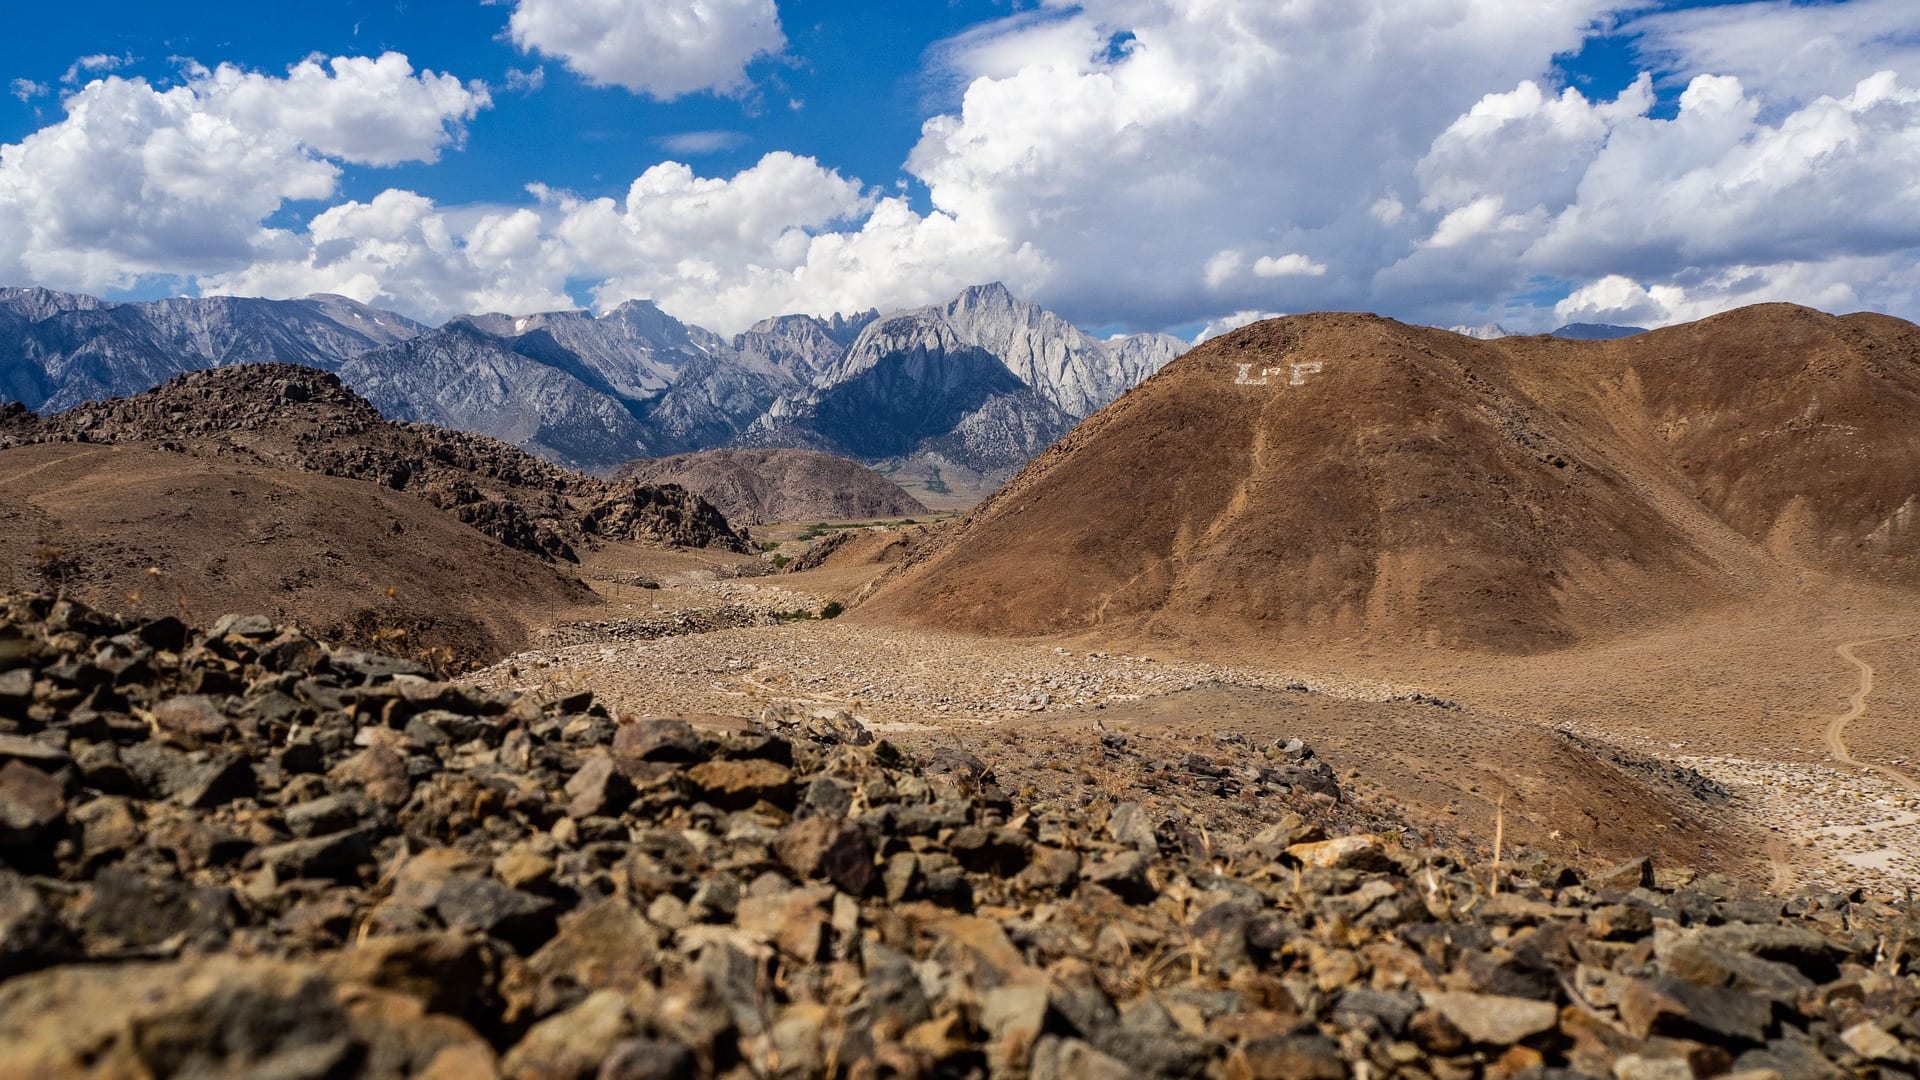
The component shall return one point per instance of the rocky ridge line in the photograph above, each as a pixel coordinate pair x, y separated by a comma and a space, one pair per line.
306, 419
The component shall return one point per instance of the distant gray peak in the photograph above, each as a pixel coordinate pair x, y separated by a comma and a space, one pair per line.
1067, 367
993, 292
1484, 332
844, 328
1596, 331
60, 349
836, 327
35, 303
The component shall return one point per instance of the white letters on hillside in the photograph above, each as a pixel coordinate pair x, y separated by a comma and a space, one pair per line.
1296, 373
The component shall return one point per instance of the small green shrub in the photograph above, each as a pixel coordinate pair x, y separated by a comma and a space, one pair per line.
780, 562
833, 610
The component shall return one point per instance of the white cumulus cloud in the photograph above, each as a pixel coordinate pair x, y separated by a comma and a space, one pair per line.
661, 48
400, 250
785, 234
1724, 202
139, 180
1828, 284
1146, 163
1793, 51
1133, 141
1291, 265
1227, 324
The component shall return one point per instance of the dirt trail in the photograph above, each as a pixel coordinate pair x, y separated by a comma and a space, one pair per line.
1836, 733
1781, 863
67, 460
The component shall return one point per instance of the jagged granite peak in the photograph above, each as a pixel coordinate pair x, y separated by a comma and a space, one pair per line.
982, 382
1070, 368
719, 395
34, 303
715, 399
571, 385
1492, 331
844, 328
800, 345
931, 394
59, 349
1139, 356
634, 351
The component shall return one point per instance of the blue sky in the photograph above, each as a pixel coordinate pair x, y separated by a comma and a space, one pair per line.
856, 73
1135, 164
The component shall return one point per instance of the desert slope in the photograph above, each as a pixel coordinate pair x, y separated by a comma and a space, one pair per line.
349, 560
1345, 477
754, 487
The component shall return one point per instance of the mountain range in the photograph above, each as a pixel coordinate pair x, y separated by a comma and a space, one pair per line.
968, 390
60, 349
1493, 331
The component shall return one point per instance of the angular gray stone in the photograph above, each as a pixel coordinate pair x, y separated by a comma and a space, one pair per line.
1493, 1019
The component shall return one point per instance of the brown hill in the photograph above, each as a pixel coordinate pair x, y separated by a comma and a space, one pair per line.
755, 487
1342, 477
290, 417
351, 561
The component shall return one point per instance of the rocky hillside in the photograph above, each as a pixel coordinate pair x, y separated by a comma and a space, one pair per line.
300, 419
240, 852
1348, 478
755, 487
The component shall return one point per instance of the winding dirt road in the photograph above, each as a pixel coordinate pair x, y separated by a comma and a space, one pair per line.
1836, 734
1785, 871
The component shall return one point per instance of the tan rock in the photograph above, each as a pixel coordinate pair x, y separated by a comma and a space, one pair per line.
1493, 1019
1362, 851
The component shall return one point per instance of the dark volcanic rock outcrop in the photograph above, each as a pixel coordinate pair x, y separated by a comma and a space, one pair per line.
243, 853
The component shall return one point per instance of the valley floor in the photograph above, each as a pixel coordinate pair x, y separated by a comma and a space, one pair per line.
1700, 743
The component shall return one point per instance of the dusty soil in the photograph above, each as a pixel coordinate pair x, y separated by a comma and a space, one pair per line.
1699, 740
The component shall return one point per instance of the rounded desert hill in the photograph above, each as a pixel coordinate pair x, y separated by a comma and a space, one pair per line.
355, 563
1341, 477
759, 486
